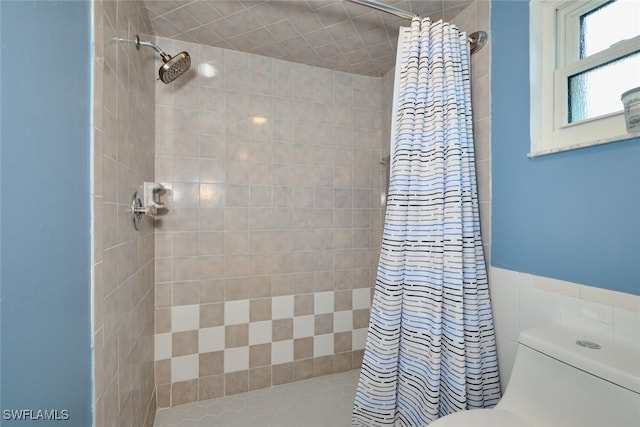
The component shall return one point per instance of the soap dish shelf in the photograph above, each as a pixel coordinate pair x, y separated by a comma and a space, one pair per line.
147, 201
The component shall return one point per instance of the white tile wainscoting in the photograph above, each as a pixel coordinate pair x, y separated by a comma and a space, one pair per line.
522, 300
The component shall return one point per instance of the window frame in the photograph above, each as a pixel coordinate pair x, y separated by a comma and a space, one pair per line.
554, 57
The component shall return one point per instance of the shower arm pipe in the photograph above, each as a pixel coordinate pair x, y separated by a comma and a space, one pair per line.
476, 40
139, 43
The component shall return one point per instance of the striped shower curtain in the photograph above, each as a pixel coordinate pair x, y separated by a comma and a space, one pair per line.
430, 348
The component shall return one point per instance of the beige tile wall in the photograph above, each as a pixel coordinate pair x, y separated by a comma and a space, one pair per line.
266, 258
123, 259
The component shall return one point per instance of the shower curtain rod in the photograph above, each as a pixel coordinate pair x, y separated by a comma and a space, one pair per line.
385, 8
476, 40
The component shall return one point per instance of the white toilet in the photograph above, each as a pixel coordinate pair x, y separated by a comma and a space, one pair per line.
564, 377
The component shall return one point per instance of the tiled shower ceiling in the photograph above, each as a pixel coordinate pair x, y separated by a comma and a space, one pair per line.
339, 35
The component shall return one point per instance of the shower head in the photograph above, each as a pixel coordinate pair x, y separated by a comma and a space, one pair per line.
173, 67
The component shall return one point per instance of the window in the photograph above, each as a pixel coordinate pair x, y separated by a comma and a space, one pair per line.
583, 56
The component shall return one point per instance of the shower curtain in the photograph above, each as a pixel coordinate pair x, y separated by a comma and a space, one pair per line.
430, 347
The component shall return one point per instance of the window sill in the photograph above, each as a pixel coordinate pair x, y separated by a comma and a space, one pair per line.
547, 151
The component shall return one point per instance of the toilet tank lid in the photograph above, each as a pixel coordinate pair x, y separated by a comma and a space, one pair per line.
614, 362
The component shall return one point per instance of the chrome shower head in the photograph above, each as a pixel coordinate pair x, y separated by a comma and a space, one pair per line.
173, 67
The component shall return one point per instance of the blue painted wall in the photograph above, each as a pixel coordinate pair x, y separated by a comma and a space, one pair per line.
571, 216
45, 204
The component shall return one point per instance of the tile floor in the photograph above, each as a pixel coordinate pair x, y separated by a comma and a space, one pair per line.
318, 402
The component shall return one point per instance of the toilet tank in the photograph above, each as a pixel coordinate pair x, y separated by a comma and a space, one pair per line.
557, 382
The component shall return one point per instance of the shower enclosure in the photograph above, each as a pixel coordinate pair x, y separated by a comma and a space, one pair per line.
261, 272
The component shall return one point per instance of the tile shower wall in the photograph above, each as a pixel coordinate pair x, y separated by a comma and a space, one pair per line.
123, 259
267, 255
